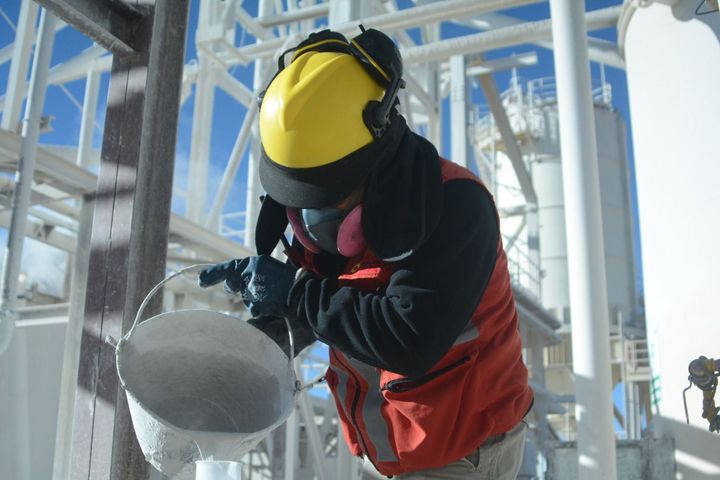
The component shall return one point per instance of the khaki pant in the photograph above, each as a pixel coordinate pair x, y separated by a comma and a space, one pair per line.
499, 458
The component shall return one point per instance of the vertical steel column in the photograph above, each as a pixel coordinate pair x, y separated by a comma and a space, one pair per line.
129, 234
78, 286
200, 145
24, 175
22, 47
434, 132
254, 189
585, 249
203, 107
291, 443
458, 111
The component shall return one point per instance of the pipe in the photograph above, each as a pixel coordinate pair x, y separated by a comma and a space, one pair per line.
529, 32
24, 175
305, 13
459, 100
585, 248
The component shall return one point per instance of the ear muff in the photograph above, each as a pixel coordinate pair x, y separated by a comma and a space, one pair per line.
350, 237
378, 55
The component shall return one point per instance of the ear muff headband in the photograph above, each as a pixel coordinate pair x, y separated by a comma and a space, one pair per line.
368, 58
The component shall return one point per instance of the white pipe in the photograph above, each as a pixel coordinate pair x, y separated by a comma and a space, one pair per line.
305, 13
585, 248
87, 123
600, 51
311, 431
200, 140
19, 65
529, 32
263, 68
291, 444
26, 165
458, 111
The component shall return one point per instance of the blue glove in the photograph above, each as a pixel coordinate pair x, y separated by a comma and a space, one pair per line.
263, 281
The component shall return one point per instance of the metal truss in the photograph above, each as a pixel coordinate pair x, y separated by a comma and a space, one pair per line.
64, 180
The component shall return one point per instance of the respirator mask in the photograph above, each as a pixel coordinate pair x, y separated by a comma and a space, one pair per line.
328, 229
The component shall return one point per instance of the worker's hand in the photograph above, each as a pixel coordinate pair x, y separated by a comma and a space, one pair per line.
263, 281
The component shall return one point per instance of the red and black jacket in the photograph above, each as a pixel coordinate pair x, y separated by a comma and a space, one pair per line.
425, 358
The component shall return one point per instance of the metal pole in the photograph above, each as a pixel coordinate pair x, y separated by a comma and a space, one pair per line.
252, 202
24, 174
200, 143
458, 111
78, 283
585, 249
18, 67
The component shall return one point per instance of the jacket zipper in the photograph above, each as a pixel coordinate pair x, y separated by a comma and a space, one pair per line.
353, 408
406, 384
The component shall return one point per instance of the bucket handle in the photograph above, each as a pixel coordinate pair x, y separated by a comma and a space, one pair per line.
197, 268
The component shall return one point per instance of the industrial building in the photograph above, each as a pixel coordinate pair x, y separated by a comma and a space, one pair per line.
129, 148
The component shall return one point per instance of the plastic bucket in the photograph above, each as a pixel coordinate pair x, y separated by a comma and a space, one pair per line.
202, 385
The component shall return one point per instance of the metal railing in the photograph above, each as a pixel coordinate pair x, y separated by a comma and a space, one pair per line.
544, 90
522, 103
637, 357
524, 271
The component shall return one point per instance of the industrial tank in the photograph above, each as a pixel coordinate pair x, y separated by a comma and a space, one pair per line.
672, 57
543, 153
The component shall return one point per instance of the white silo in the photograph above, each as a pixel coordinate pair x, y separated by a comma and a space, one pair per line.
546, 172
672, 54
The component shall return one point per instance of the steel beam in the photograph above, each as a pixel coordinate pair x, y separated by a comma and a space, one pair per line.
392, 21
112, 24
511, 147
599, 50
129, 235
305, 13
459, 95
528, 32
24, 175
20, 50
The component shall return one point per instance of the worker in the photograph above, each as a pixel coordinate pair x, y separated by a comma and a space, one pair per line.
396, 264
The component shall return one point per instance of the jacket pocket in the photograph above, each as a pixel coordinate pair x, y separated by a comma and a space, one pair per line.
407, 384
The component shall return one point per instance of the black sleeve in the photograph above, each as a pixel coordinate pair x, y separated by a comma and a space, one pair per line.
429, 299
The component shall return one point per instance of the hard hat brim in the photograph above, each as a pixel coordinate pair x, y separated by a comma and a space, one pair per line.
325, 185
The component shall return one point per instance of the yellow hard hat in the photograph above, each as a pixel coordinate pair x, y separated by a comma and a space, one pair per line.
318, 140
312, 112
